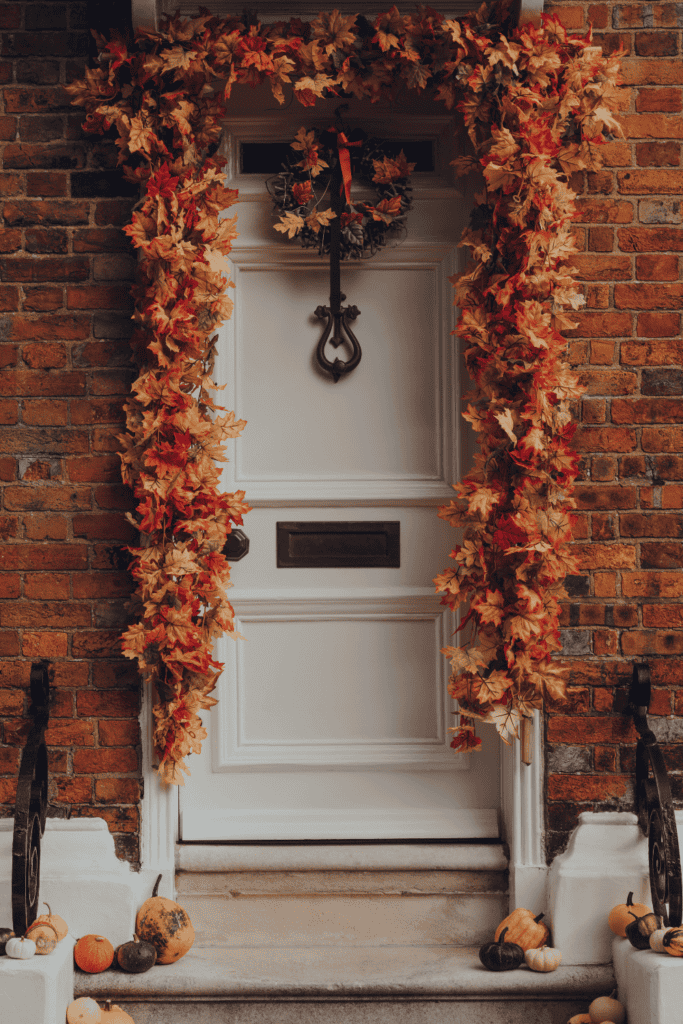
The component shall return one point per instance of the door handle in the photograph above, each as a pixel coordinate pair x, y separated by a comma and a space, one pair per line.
236, 546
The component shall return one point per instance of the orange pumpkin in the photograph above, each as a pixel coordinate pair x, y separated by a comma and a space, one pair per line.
93, 953
114, 1015
580, 1018
44, 936
620, 916
524, 929
58, 923
166, 925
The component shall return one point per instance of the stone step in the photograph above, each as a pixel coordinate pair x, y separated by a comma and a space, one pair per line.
344, 895
345, 985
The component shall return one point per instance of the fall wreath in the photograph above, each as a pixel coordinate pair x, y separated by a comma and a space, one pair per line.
536, 104
302, 188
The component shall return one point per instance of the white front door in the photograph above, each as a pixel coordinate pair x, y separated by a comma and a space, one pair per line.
333, 714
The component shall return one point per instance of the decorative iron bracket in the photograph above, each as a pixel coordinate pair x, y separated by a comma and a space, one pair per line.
30, 809
654, 807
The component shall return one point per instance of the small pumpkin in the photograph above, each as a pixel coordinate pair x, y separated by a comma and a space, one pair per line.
166, 925
83, 1011
93, 953
640, 929
524, 929
5, 934
114, 1014
607, 1010
619, 916
544, 959
58, 923
501, 955
673, 941
580, 1018
136, 957
20, 948
44, 936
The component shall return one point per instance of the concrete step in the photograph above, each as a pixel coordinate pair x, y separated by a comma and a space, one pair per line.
344, 896
345, 985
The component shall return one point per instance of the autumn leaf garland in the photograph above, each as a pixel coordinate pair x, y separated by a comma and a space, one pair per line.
534, 105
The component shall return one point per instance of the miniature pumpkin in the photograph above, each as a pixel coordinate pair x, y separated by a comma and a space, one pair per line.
58, 923
524, 929
580, 1018
93, 953
136, 957
114, 1015
673, 941
619, 916
5, 934
607, 1010
44, 936
501, 955
166, 925
20, 948
83, 1011
544, 959
656, 944
640, 929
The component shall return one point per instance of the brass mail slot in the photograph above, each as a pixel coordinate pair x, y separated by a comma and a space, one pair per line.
368, 545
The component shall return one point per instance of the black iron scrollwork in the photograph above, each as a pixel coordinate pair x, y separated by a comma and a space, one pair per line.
654, 807
31, 805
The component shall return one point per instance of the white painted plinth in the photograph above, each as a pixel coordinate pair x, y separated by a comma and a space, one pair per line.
650, 984
80, 877
605, 860
38, 991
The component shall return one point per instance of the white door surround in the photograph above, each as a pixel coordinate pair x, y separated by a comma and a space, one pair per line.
522, 790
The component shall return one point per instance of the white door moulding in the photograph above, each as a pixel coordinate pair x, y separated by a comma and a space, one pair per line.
522, 804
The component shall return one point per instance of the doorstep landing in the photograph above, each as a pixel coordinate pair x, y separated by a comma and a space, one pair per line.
324, 973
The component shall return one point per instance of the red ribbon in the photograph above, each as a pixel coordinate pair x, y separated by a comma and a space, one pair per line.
343, 145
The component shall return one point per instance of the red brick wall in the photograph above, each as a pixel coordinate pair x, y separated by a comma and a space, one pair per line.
629, 351
65, 269
65, 272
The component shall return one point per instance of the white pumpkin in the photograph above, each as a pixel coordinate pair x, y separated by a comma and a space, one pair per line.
20, 948
656, 938
83, 1011
544, 959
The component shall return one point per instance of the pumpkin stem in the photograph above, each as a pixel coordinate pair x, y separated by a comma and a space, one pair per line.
629, 900
156, 887
501, 937
48, 908
537, 919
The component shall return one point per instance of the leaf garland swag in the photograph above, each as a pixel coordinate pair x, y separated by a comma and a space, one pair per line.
364, 226
535, 103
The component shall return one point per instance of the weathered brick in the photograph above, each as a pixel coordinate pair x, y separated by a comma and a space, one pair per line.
22, 213
605, 439
89, 761
662, 439
592, 496
605, 556
654, 353
44, 644
108, 703
647, 410
118, 734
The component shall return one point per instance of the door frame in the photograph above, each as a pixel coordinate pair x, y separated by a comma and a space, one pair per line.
521, 785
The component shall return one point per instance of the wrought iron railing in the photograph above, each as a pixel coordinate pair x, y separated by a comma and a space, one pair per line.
654, 806
30, 809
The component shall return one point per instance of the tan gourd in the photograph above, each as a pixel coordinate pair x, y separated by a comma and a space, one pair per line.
58, 923
544, 959
656, 943
527, 931
620, 916
607, 1010
166, 925
44, 936
83, 1011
